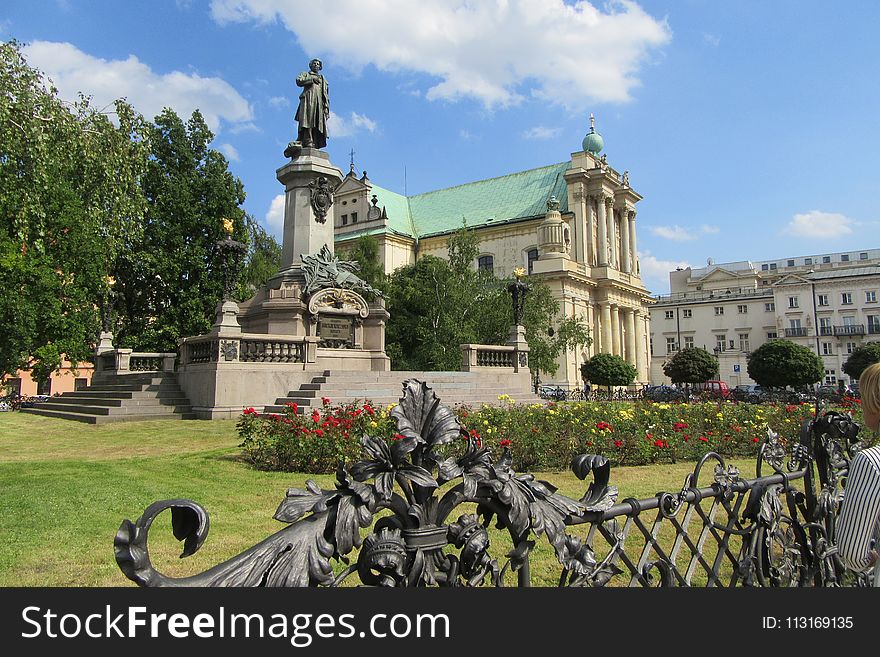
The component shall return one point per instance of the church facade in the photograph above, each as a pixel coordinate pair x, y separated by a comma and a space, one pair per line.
571, 224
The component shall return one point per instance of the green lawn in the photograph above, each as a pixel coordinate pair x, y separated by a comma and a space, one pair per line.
65, 487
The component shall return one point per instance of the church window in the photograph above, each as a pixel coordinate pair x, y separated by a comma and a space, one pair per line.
486, 263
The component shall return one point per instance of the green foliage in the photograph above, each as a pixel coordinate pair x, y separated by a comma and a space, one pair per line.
70, 204
365, 252
691, 365
171, 280
608, 370
437, 305
860, 358
781, 363
263, 258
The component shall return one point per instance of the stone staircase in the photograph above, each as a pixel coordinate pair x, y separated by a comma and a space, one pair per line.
383, 388
120, 398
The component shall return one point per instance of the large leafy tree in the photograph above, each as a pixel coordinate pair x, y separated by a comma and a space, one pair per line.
436, 305
263, 258
781, 363
171, 281
860, 358
365, 252
70, 203
608, 370
691, 365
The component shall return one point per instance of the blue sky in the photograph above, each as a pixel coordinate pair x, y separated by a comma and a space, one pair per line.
750, 128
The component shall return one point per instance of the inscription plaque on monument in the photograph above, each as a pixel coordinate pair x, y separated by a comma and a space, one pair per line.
335, 331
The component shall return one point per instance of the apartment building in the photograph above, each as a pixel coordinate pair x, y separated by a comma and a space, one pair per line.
827, 302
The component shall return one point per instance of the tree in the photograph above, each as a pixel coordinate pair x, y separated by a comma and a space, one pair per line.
365, 252
860, 358
781, 363
170, 282
608, 370
546, 343
263, 258
691, 365
70, 203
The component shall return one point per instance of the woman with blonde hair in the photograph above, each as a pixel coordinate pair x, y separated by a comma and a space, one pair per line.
859, 522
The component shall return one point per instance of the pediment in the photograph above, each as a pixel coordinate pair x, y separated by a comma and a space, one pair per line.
791, 279
351, 184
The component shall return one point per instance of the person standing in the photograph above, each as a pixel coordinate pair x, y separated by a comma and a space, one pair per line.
859, 521
314, 107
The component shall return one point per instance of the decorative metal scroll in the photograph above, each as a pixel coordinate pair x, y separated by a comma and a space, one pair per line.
324, 269
727, 532
321, 198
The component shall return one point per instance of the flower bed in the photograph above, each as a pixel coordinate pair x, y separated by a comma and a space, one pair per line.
541, 436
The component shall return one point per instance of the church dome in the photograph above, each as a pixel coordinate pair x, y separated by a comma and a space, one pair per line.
593, 142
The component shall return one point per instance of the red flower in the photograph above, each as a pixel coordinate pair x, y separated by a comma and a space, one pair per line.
678, 426
292, 406
658, 443
504, 443
618, 443
686, 438
790, 408
369, 409
398, 436
325, 400
755, 439
601, 426
464, 414
316, 416
704, 439
589, 443
319, 433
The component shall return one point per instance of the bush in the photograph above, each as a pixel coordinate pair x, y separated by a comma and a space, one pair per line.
691, 365
861, 358
608, 370
781, 363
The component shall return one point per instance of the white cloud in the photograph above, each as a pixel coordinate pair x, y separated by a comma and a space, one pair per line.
678, 233
279, 101
230, 152
820, 225
73, 71
655, 273
568, 54
541, 132
275, 216
338, 126
711, 39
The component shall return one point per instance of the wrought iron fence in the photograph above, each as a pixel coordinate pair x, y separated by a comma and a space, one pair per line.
775, 529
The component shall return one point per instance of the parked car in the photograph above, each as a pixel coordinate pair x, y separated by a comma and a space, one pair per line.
663, 393
715, 389
750, 393
557, 393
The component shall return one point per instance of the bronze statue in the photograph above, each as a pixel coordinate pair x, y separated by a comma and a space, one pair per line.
314, 107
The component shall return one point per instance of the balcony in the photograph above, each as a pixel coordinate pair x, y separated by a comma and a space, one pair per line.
800, 332
826, 330
849, 329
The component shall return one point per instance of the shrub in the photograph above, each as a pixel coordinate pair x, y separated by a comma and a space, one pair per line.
781, 363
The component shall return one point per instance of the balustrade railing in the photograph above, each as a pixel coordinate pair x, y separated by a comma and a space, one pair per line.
272, 351
249, 348
850, 329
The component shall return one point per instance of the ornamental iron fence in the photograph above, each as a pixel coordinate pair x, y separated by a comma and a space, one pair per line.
775, 529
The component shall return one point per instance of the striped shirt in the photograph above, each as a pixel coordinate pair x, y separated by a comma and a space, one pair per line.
860, 512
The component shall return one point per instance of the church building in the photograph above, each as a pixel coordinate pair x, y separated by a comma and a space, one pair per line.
572, 224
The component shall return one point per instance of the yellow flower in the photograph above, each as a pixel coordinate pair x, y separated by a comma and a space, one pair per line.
373, 424
485, 421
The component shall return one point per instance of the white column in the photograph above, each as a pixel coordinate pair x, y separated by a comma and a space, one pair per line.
641, 347
625, 260
593, 348
615, 331
634, 253
602, 246
630, 329
609, 228
605, 324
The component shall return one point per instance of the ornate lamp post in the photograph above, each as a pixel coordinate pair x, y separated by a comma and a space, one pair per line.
518, 290
230, 256
105, 339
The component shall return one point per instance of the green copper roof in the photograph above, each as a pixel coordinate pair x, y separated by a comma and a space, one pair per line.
516, 196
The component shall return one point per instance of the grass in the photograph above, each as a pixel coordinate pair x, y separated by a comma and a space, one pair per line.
65, 488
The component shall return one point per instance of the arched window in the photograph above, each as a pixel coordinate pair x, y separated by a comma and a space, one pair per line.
486, 263
531, 256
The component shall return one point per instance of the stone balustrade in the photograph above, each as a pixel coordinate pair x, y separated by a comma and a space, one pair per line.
121, 361
248, 348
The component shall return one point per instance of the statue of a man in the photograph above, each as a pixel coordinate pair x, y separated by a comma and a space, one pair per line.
314, 107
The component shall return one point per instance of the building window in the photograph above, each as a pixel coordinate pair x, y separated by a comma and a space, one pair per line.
670, 314
720, 342
345, 220
794, 323
742, 309
13, 385
850, 347
846, 298
688, 342
825, 326
830, 377
770, 307
486, 263
354, 217
873, 323
808, 261
80, 383
771, 335
793, 302
844, 258
687, 312
822, 299
670, 345
863, 256
44, 387
826, 259
719, 310
765, 267
772, 266
531, 256
744, 342
871, 296
826, 349
791, 263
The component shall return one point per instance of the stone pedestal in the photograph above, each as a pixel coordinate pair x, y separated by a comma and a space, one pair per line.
105, 343
517, 340
227, 319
